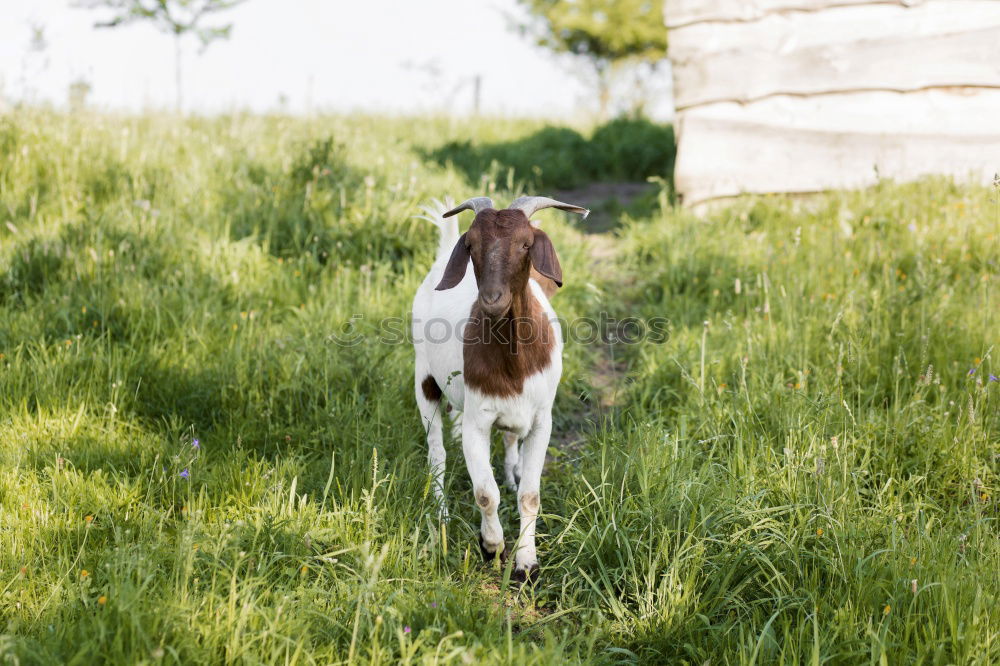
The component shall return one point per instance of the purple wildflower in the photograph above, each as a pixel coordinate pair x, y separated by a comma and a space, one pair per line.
196, 444
185, 473
406, 629
972, 372
434, 604
993, 378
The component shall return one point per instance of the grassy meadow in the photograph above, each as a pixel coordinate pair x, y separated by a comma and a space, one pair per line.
192, 470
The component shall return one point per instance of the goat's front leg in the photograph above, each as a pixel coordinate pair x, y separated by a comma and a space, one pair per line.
476, 447
533, 451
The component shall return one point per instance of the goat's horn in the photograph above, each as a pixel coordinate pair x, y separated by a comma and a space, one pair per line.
531, 205
474, 204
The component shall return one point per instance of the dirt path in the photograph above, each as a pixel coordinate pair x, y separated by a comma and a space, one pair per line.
608, 370
606, 375
606, 201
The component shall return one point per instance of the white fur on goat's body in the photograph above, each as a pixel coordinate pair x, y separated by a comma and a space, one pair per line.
439, 319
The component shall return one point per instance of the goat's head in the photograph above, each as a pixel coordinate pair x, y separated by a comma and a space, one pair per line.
503, 245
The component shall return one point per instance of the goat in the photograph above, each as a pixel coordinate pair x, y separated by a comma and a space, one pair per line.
487, 341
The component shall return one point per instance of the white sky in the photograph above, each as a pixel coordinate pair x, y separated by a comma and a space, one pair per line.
321, 54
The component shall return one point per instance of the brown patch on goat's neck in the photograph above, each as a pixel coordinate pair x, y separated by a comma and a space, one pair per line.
500, 353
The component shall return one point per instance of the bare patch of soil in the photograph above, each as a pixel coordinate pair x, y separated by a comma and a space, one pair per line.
605, 201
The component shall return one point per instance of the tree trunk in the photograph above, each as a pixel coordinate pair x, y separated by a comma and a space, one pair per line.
603, 91
177, 71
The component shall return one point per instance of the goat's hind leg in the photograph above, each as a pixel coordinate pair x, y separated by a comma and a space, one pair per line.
429, 402
511, 461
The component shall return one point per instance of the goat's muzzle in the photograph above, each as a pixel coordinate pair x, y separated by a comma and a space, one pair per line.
494, 302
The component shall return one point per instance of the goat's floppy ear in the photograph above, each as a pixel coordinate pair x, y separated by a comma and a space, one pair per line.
457, 264
544, 259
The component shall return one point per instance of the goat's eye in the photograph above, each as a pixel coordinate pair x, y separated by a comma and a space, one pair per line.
526, 246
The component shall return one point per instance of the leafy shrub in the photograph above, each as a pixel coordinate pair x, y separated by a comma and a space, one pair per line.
324, 163
561, 158
551, 157
288, 208
33, 265
104, 183
633, 149
555, 156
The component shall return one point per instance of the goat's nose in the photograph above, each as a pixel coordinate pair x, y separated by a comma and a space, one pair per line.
491, 297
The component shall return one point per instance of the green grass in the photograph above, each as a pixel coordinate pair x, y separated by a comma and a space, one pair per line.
803, 472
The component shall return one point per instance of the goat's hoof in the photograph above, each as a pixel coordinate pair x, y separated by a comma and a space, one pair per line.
491, 556
527, 575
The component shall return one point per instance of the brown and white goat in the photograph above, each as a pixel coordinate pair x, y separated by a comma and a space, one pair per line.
487, 341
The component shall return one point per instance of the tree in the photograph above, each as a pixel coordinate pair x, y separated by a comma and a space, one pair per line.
176, 17
78, 92
34, 62
608, 34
